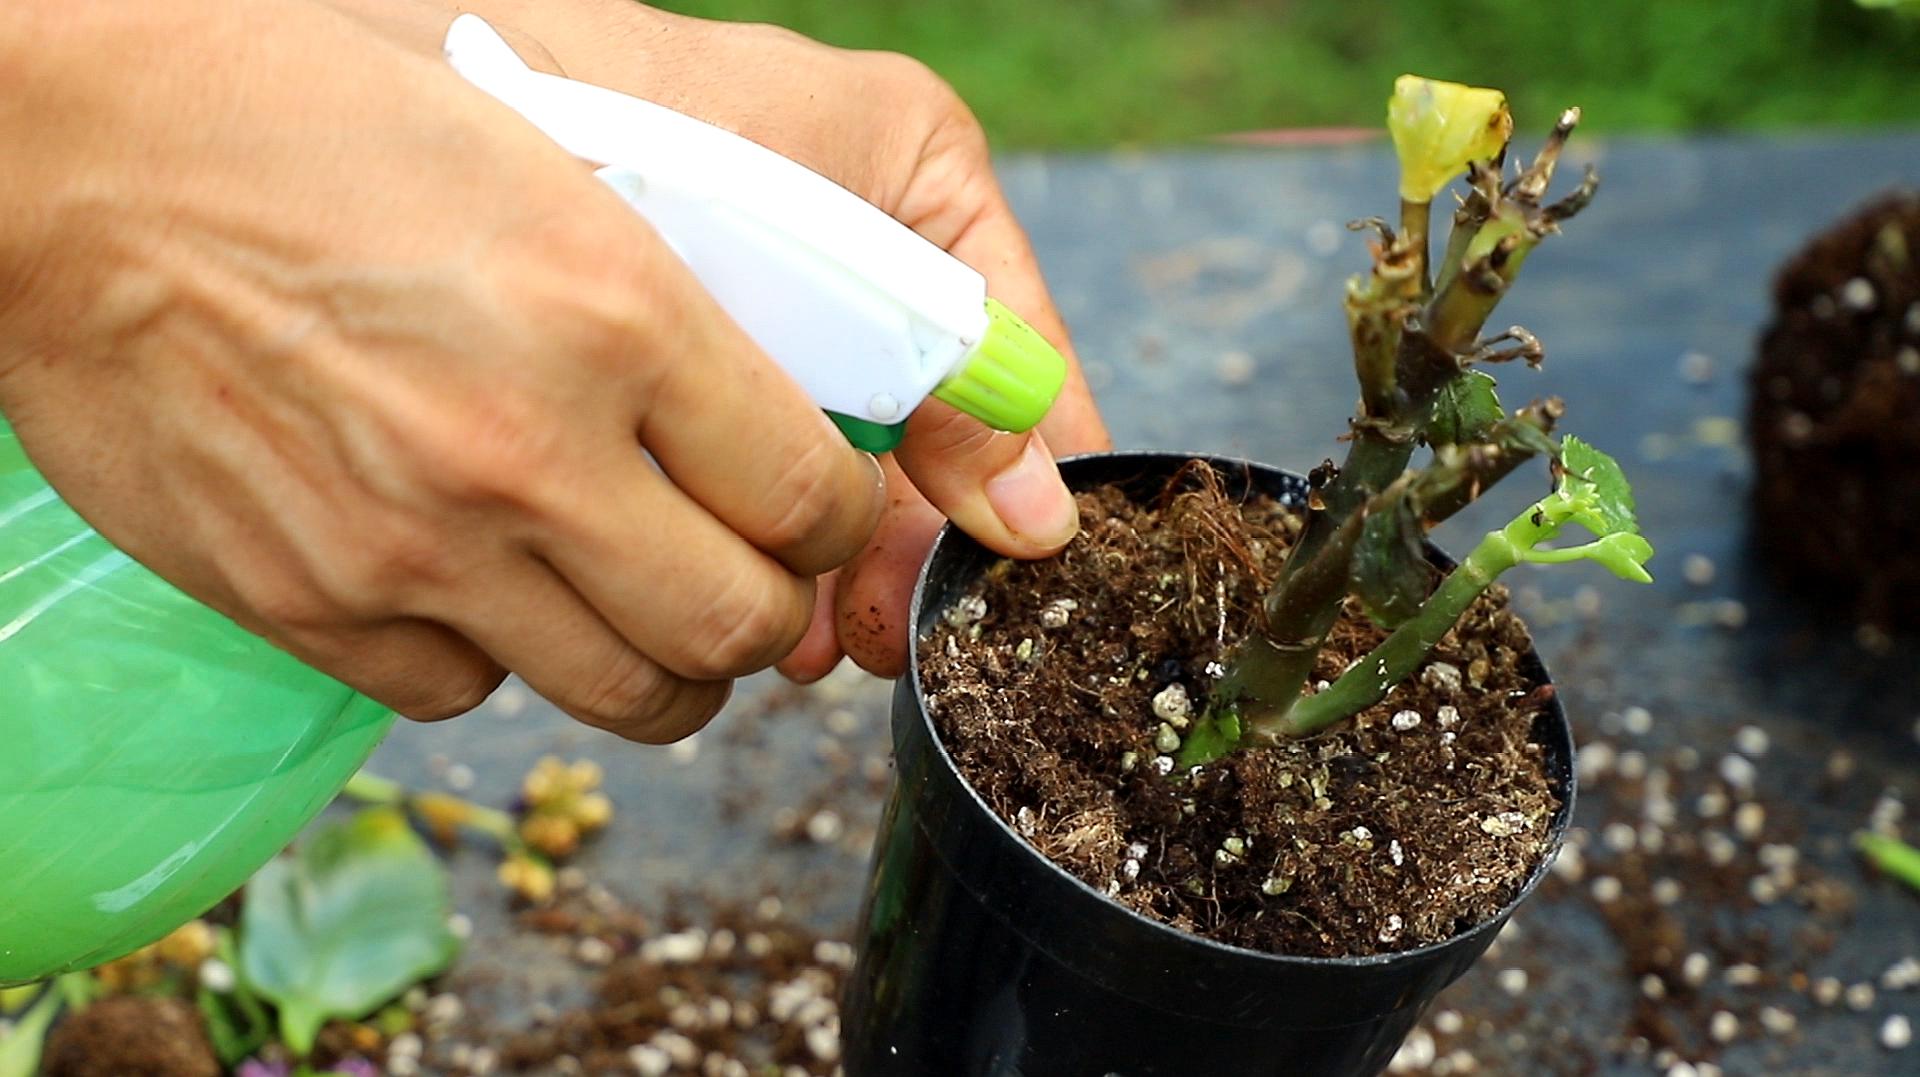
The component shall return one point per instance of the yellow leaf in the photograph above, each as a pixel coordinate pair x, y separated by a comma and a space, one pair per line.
1439, 127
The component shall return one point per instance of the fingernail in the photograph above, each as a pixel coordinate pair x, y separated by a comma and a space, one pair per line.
1031, 500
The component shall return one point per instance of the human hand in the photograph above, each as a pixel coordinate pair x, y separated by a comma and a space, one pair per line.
347, 350
891, 131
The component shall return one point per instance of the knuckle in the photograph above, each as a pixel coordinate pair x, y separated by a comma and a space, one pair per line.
459, 691
935, 98
388, 572
630, 691
752, 624
494, 450
819, 514
692, 704
585, 291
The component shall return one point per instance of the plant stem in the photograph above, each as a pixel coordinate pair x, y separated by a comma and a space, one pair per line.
1369, 680
1891, 855
1458, 478
1414, 222
1270, 668
370, 788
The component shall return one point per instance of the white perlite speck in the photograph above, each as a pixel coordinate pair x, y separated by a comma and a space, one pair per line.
1405, 720
1415, 1055
217, 976
1448, 716
1752, 740
1593, 760
1513, 981
1901, 975
1743, 975
824, 827
1723, 1026
1826, 991
1696, 368
1896, 1032
1637, 721
1443, 676
1606, 889
969, 609
1506, 823
1695, 968
1738, 771
1749, 820
1057, 613
1171, 705
1697, 569
1398, 854
1777, 1021
1857, 294
1859, 997
1391, 929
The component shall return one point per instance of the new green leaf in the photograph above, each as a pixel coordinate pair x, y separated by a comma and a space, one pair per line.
348, 922
1593, 477
1390, 571
1465, 410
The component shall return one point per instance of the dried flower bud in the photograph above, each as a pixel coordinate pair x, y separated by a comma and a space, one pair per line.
592, 811
551, 835
528, 878
443, 814
1439, 127
584, 775
188, 945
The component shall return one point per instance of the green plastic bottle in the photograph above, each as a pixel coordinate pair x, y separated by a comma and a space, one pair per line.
152, 754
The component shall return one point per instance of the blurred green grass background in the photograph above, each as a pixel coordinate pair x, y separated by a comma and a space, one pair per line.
1089, 73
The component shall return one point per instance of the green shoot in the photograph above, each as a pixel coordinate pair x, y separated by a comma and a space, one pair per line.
1591, 492
1891, 855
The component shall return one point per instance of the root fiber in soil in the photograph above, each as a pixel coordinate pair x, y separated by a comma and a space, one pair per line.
1419, 818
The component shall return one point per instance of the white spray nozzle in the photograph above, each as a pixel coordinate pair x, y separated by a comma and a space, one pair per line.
869, 317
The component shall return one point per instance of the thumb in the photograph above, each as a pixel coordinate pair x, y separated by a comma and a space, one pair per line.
1003, 489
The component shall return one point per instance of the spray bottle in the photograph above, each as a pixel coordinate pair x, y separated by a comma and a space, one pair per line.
153, 754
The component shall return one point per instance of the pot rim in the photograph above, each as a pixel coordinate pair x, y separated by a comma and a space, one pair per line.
1561, 822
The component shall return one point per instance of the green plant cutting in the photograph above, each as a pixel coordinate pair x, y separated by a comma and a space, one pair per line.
1420, 349
348, 922
1893, 857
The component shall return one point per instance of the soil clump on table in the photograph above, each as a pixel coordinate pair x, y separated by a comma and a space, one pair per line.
131, 1036
1835, 415
1419, 818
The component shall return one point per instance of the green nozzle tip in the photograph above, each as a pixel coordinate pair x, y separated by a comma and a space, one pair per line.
1011, 378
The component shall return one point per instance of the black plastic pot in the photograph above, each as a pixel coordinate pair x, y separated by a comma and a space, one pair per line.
979, 956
